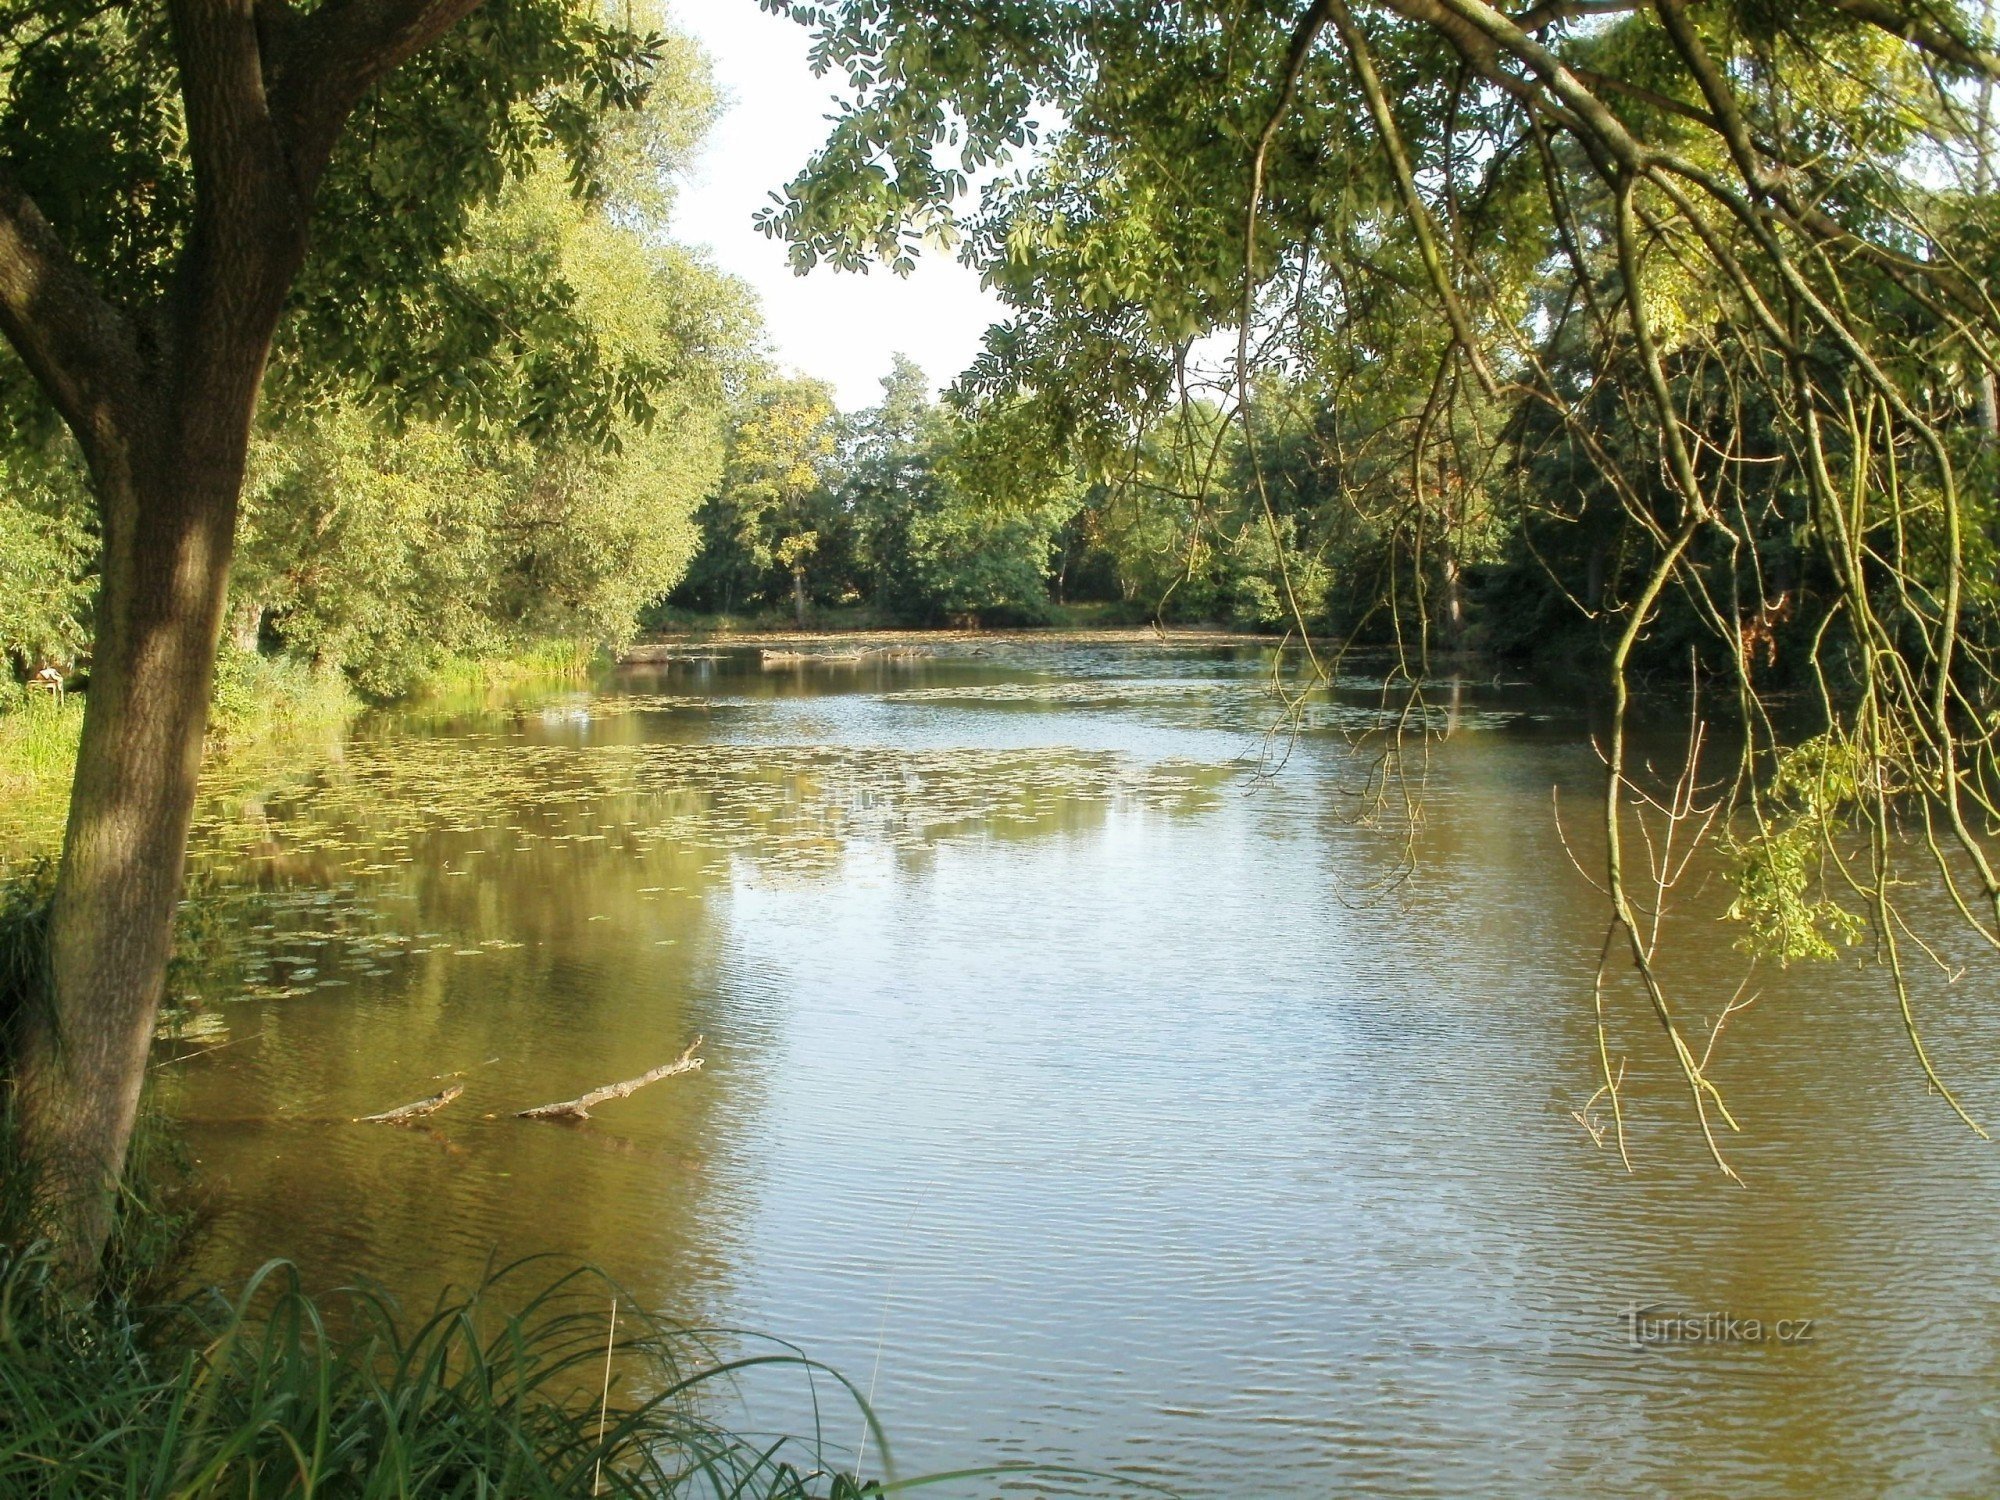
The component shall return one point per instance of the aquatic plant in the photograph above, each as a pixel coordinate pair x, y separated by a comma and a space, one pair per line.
559, 660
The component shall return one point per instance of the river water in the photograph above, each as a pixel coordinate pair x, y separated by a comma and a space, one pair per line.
1091, 1077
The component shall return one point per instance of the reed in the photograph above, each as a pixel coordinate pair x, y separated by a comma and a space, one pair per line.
549, 660
276, 1393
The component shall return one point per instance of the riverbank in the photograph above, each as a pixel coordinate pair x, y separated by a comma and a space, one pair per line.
259, 703
557, 1388
665, 645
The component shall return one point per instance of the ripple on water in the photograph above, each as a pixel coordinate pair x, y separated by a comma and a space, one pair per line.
1068, 1087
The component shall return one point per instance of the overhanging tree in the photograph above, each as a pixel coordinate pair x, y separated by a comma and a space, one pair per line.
174, 179
1729, 262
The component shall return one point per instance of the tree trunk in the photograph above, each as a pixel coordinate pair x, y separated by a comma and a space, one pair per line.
246, 627
170, 515
1454, 602
164, 423
799, 596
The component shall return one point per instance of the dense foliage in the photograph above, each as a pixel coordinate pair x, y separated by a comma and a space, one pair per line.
905, 508
507, 442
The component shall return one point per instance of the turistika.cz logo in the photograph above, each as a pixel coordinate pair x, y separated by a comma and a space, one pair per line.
1652, 1327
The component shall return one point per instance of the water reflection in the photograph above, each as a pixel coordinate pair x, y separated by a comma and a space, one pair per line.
1063, 1084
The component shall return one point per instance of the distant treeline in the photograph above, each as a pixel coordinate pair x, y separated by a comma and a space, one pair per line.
924, 512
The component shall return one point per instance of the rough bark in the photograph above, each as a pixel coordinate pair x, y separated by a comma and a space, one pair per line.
166, 432
82, 1060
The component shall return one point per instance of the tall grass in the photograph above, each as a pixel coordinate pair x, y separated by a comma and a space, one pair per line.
276, 1393
38, 739
258, 697
566, 661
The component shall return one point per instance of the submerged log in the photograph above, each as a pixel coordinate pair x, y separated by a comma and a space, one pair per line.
403, 1114
579, 1108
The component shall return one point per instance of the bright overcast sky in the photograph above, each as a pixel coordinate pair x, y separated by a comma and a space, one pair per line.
842, 328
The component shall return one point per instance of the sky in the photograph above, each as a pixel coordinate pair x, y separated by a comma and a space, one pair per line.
841, 327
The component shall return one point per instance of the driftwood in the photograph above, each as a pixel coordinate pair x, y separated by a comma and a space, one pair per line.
579, 1107
408, 1112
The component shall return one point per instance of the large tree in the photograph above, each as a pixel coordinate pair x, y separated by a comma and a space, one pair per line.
774, 490
176, 178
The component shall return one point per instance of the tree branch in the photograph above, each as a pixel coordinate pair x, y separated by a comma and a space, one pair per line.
579, 1108
74, 342
403, 1114
1923, 32
321, 66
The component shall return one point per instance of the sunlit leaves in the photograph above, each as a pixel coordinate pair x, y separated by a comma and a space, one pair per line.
1787, 869
387, 548
91, 126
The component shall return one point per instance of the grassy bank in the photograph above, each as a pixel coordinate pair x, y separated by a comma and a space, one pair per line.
38, 739
260, 698
541, 661
273, 1392
258, 702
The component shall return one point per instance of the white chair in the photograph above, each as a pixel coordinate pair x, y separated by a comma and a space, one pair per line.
47, 680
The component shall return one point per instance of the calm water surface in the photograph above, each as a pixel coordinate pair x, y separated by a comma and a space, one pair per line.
1072, 1083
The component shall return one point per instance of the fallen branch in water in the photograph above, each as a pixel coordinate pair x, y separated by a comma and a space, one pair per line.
579, 1107
408, 1112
